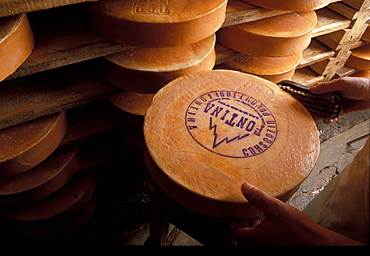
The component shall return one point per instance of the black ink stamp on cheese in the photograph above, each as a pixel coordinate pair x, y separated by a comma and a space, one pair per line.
231, 124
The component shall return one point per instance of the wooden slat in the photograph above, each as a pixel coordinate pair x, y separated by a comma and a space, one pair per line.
14, 7
314, 53
239, 12
34, 96
62, 41
306, 76
329, 21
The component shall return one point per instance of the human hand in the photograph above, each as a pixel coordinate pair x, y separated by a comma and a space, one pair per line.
355, 92
282, 224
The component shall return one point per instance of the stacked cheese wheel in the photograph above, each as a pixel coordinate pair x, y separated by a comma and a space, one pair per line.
169, 39
360, 56
16, 43
209, 132
274, 45
291, 5
36, 178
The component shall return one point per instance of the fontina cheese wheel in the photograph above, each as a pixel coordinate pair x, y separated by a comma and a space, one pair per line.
207, 133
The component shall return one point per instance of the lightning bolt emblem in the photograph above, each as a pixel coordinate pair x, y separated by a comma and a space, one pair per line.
226, 140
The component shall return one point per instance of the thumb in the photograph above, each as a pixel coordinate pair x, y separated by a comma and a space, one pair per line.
259, 198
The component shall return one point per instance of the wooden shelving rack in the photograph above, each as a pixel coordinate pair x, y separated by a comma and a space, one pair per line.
61, 73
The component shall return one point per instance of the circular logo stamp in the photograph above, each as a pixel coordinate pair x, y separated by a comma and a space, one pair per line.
231, 124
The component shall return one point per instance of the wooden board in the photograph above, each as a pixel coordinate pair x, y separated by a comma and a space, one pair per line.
62, 41
271, 37
26, 145
157, 23
57, 90
16, 43
208, 132
290, 5
146, 70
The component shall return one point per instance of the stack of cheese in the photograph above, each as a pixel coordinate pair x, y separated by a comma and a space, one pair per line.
273, 45
39, 191
16, 43
168, 38
360, 56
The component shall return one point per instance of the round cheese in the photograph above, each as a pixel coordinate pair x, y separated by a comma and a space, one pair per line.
132, 102
41, 181
146, 70
25, 145
16, 43
290, 5
157, 23
274, 69
58, 206
360, 58
276, 36
366, 34
207, 133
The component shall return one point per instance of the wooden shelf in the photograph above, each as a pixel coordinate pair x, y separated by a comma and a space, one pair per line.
60, 43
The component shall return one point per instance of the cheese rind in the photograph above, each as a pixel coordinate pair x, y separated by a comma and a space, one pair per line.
206, 133
274, 69
27, 144
16, 43
276, 36
157, 23
146, 70
290, 5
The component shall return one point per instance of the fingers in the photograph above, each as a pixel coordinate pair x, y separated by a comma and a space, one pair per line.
355, 88
259, 198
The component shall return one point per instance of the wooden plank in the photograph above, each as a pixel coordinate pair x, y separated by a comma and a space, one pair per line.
306, 76
329, 21
14, 7
34, 96
62, 42
358, 4
238, 12
314, 53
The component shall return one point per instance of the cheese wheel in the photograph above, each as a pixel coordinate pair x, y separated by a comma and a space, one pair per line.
16, 43
207, 133
366, 34
362, 73
274, 69
132, 102
41, 181
146, 70
360, 58
290, 5
59, 229
58, 206
276, 36
25, 145
157, 23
